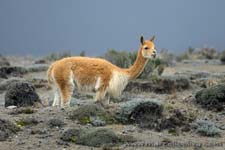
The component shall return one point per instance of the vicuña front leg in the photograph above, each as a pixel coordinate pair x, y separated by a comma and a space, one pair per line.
66, 94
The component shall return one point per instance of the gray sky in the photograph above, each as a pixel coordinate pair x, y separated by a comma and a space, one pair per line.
38, 27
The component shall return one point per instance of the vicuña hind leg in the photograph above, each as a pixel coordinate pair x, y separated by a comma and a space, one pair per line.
56, 97
101, 97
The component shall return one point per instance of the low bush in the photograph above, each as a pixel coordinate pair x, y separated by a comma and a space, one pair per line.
57, 55
222, 57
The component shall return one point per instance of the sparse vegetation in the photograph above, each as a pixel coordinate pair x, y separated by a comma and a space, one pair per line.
82, 53
146, 113
222, 57
88, 114
55, 123
212, 98
92, 137
198, 53
3, 61
125, 59
7, 129
172, 115
23, 110
57, 55
119, 58
206, 128
26, 122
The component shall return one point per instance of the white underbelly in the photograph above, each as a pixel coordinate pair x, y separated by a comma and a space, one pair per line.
117, 84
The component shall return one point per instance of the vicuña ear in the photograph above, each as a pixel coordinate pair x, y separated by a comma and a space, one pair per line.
152, 38
142, 40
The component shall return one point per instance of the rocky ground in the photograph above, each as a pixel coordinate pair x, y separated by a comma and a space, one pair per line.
183, 109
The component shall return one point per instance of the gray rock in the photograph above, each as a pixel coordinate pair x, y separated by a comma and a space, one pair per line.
11, 107
21, 94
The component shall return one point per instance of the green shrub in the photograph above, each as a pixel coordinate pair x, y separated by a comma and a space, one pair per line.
212, 98
93, 137
26, 122
222, 57
57, 55
90, 114
82, 54
118, 58
125, 59
209, 53
206, 128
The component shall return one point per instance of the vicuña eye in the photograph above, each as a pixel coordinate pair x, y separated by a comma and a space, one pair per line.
146, 48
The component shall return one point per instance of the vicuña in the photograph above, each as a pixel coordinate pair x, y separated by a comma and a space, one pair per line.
95, 74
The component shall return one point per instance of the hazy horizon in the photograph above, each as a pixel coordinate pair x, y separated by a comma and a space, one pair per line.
41, 27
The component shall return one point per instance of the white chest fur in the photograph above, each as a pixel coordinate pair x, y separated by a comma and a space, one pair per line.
117, 83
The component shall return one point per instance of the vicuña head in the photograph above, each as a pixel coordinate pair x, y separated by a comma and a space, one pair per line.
148, 48
95, 74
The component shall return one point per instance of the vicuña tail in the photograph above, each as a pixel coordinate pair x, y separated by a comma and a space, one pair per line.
49, 74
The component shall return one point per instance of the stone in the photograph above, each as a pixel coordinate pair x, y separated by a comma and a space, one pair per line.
11, 107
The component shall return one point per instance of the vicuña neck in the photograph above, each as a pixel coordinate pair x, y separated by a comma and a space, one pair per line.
137, 68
